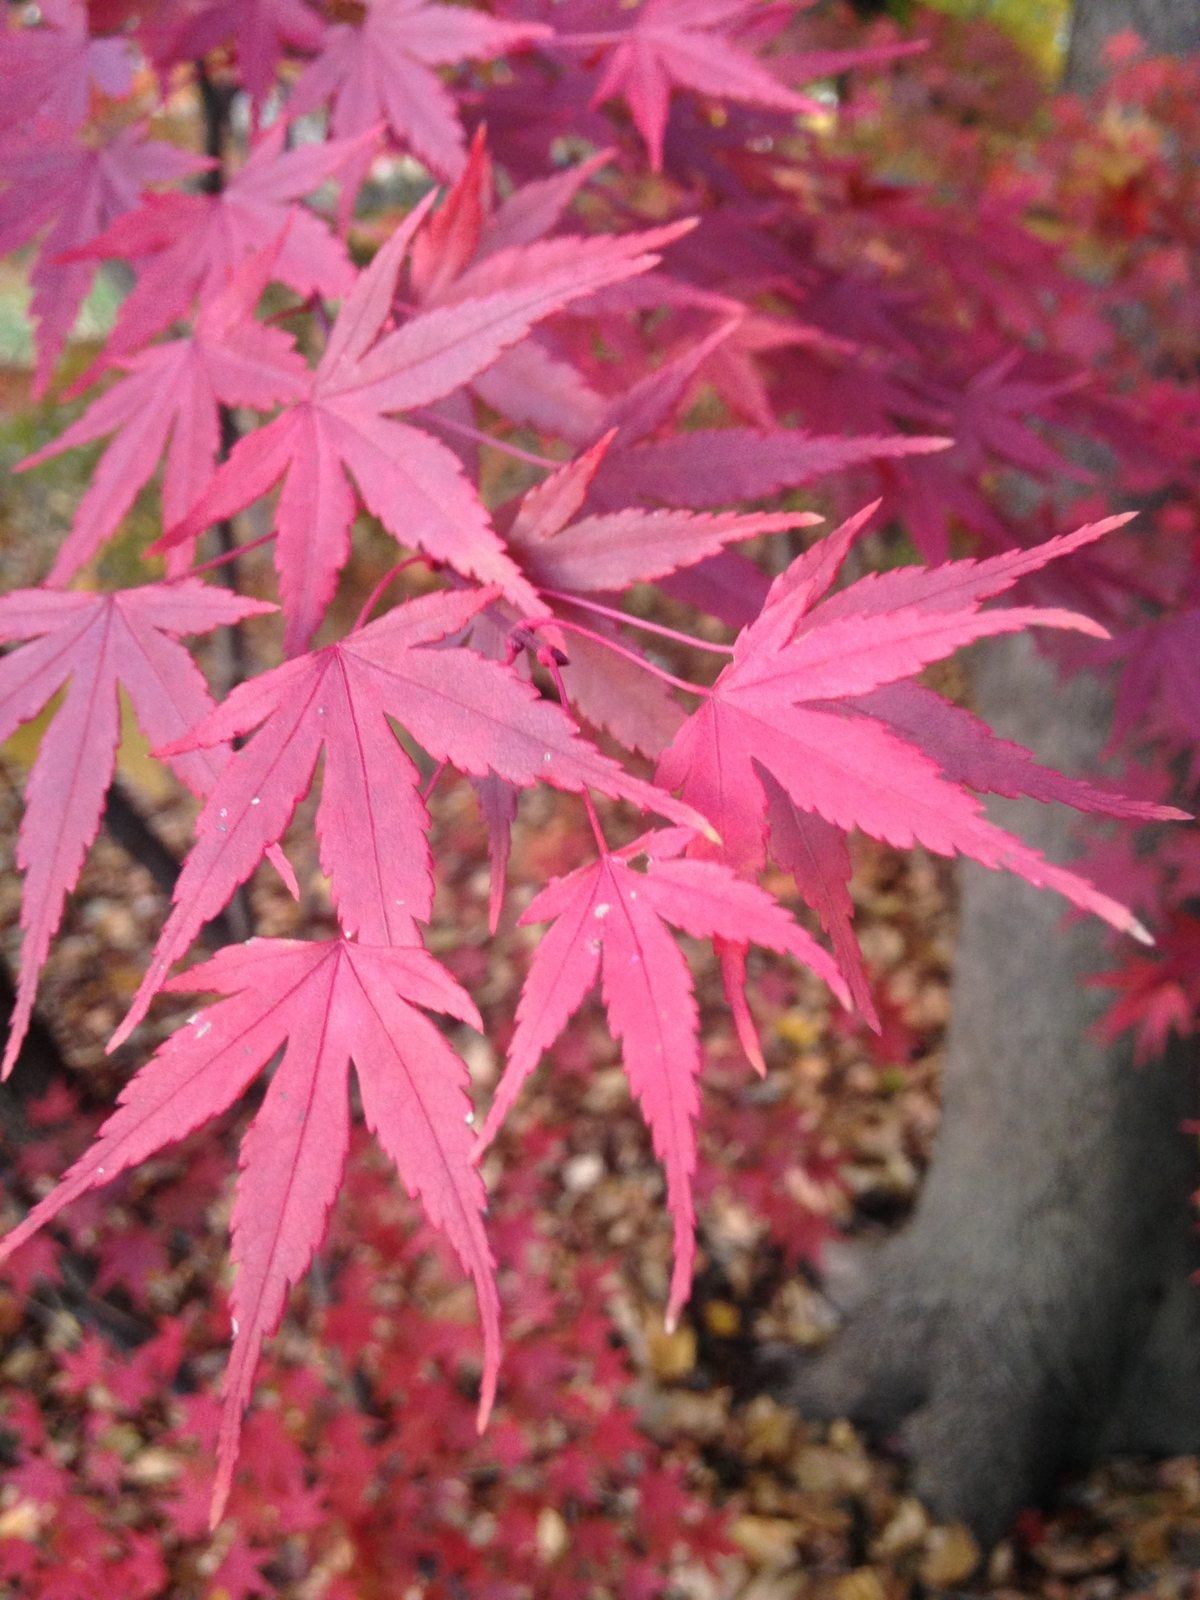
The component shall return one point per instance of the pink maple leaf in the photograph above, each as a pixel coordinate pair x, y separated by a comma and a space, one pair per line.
341, 432
168, 402
325, 1004
371, 821
610, 921
187, 246
50, 71
261, 32
68, 190
380, 70
786, 706
685, 44
89, 644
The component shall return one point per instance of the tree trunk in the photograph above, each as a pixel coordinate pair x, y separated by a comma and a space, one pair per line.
1037, 1307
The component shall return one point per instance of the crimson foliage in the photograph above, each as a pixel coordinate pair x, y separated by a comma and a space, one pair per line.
655, 297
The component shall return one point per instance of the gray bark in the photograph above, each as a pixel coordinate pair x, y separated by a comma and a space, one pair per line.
1037, 1308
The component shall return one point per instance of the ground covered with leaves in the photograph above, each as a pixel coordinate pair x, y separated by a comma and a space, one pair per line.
622, 1459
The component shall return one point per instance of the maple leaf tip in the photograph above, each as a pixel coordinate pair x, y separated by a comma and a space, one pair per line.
132, 1017
865, 1008
216, 1509
487, 1402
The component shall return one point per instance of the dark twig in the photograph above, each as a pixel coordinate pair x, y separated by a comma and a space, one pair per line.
216, 102
130, 829
126, 825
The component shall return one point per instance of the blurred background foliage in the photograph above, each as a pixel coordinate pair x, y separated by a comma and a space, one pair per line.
1039, 27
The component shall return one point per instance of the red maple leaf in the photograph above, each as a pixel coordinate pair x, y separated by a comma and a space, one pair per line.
990, 417
187, 246
458, 706
341, 431
720, 466
461, 254
325, 1004
609, 920
68, 190
786, 706
1159, 690
169, 403
381, 71
89, 644
685, 44
701, 467
1156, 995
562, 550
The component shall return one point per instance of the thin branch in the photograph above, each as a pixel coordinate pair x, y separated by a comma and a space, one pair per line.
228, 555
477, 436
618, 650
138, 838
638, 622
548, 660
388, 578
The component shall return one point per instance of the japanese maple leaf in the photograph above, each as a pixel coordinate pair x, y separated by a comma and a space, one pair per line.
49, 72
461, 254
1157, 995
685, 44
990, 416
786, 706
371, 821
968, 752
169, 403
610, 920
1160, 679
339, 434
325, 1004
68, 190
697, 468
380, 71
562, 550
88, 645
719, 466
184, 246
817, 855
